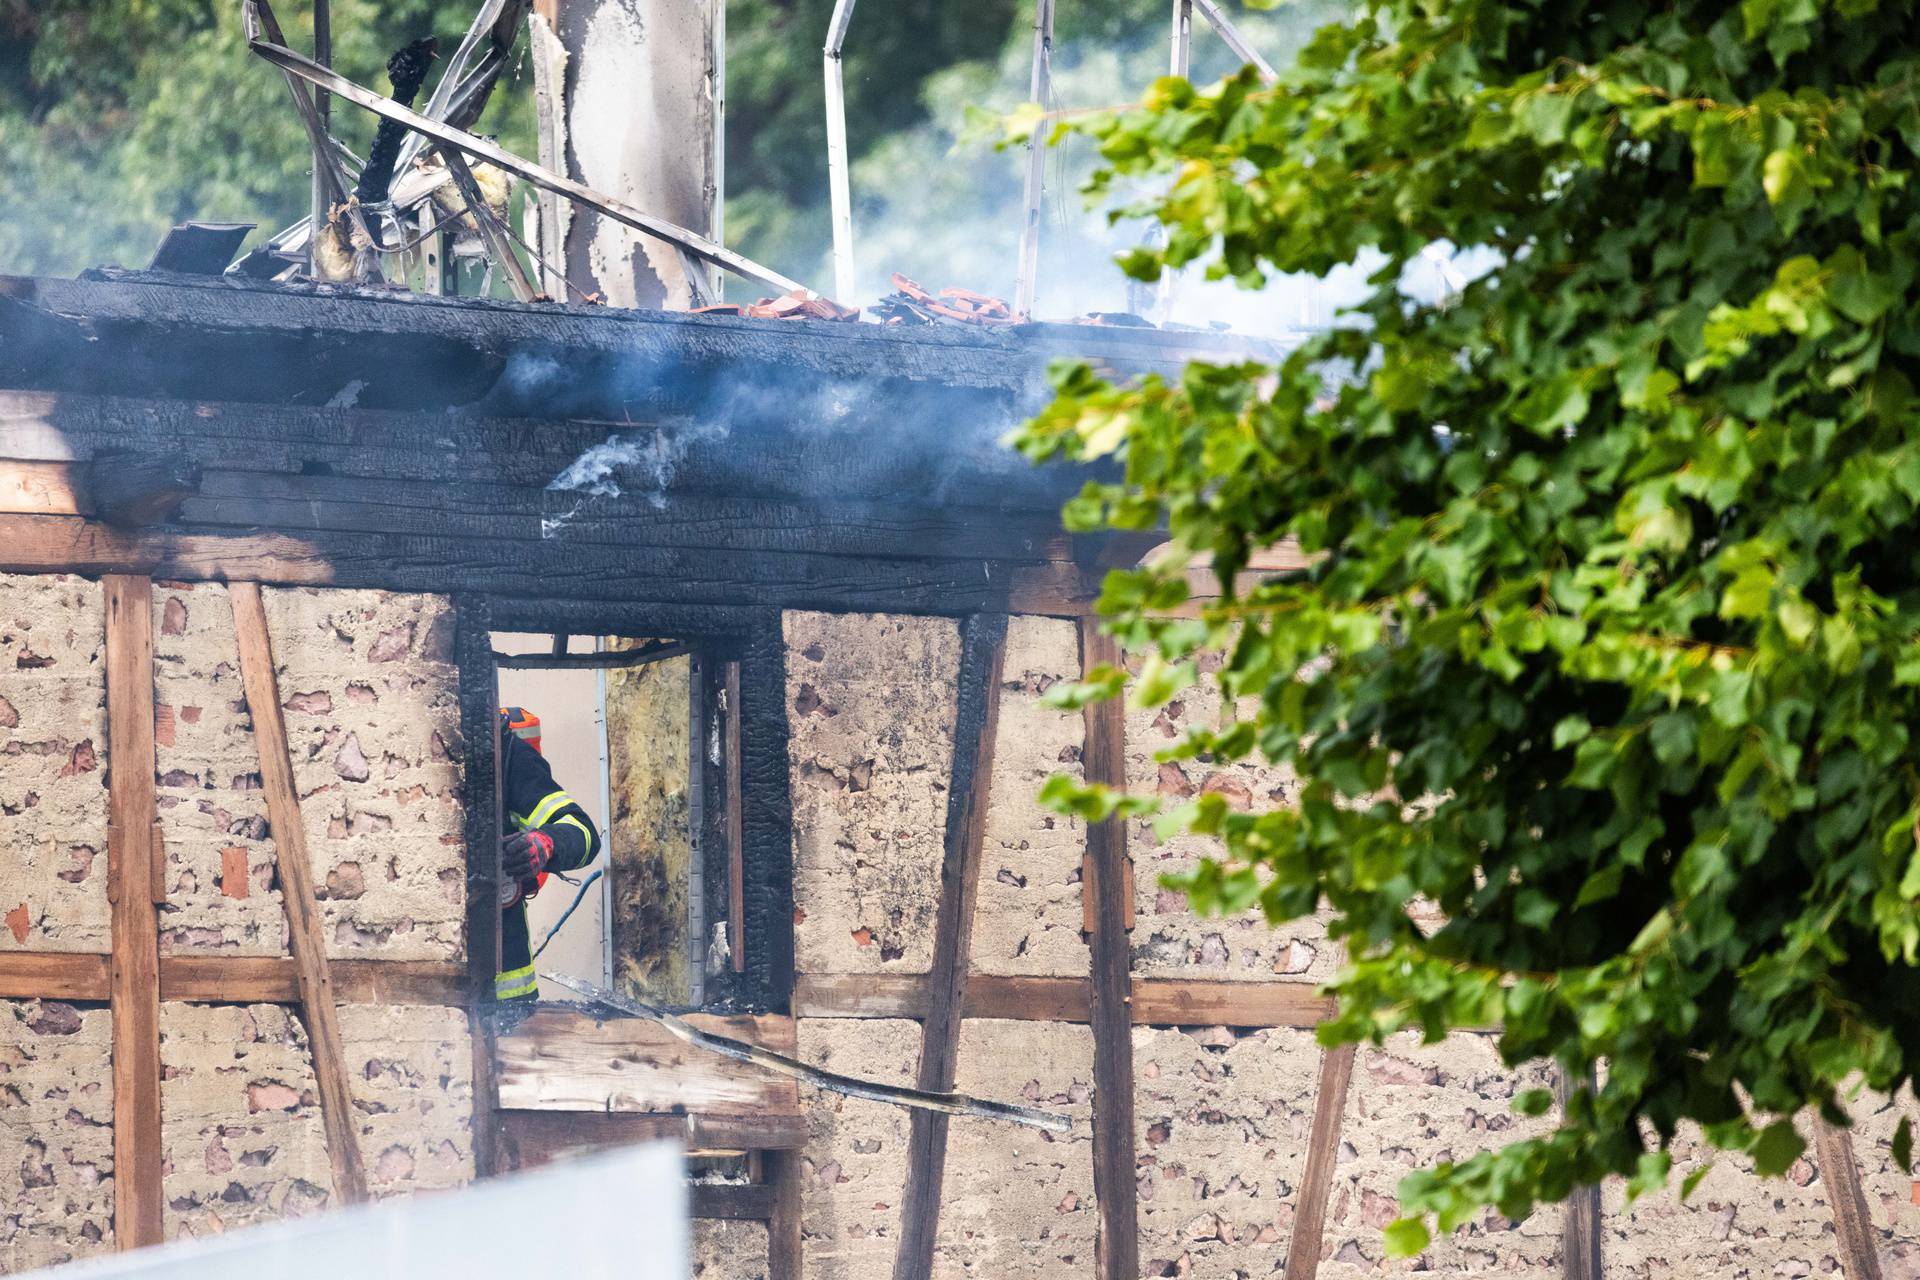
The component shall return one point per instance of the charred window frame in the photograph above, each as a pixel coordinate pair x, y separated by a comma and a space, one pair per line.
739, 692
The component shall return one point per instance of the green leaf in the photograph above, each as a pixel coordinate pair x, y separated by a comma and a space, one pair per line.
1406, 1237
1778, 1146
1903, 1144
1600, 886
1693, 1180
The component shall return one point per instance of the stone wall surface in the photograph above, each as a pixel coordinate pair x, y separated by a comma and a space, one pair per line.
53, 735
56, 1133
1734, 1225
870, 710
1169, 940
854, 1169
1892, 1202
241, 1120
1018, 1201
729, 1250
1220, 1139
370, 697
1027, 914
1412, 1106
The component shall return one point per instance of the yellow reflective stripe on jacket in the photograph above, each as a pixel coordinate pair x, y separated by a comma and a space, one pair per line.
574, 822
545, 810
515, 983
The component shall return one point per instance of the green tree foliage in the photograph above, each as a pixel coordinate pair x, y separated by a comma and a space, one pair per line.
1610, 648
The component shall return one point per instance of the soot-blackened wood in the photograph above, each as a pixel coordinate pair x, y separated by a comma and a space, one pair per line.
257, 341
766, 818
306, 933
1853, 1226
479, 797
1580, 1227
983, 641
1323, 1152
855, 483
138, 1204
1104, 759
132, 489
732, 809
531, 571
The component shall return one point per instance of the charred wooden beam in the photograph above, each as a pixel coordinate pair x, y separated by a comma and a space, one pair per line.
199, 338
132, 489
1104, 759
610, 660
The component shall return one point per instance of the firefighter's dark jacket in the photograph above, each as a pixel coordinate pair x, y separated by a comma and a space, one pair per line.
534, 802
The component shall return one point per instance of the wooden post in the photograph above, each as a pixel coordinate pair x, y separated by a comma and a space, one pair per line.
1105, 760
783, 1232
736, 835
306, 937
983, 646
1580, 1229
1840, 1170
138, 1202
1323, 1152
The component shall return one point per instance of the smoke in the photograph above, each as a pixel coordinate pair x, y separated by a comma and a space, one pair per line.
648, 458
937, 206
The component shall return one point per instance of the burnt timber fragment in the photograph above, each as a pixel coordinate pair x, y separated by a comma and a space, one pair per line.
132, 489
406, 70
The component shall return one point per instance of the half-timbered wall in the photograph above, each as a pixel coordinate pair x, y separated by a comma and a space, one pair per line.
367, 692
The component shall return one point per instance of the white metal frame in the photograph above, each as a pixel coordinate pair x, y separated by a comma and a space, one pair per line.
838, 181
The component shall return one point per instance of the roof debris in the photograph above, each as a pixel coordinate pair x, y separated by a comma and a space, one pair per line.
911, 304
795, 304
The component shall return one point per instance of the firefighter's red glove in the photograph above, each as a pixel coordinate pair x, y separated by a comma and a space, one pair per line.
524, 855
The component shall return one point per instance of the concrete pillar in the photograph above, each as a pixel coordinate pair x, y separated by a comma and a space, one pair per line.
631, 102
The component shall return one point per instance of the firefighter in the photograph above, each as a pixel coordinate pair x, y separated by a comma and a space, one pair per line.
550, 832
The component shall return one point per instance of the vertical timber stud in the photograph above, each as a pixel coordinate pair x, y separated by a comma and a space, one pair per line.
480, 797
1840, 1170
306, 935
783, 1170
1580, 1230
983, 650
1105, 760
135, 966
1323, 1151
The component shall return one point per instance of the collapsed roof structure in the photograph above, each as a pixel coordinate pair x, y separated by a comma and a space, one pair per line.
265, 545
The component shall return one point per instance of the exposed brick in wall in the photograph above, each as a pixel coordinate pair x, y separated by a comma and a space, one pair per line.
53, 799
56, 1133
369, 695
1412, 1106
1220, 1138
729, 1250
241, 1119
1027, 914
1019, 1202
1170, 940
855, 1163
870, 710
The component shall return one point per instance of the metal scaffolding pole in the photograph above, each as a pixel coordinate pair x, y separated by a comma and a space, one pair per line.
1235, 41
1041, 89
1182, 58
838, 181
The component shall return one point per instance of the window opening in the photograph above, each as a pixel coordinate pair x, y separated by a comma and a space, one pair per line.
638, 731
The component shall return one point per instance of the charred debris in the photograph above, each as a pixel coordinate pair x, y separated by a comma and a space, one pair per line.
430, 195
